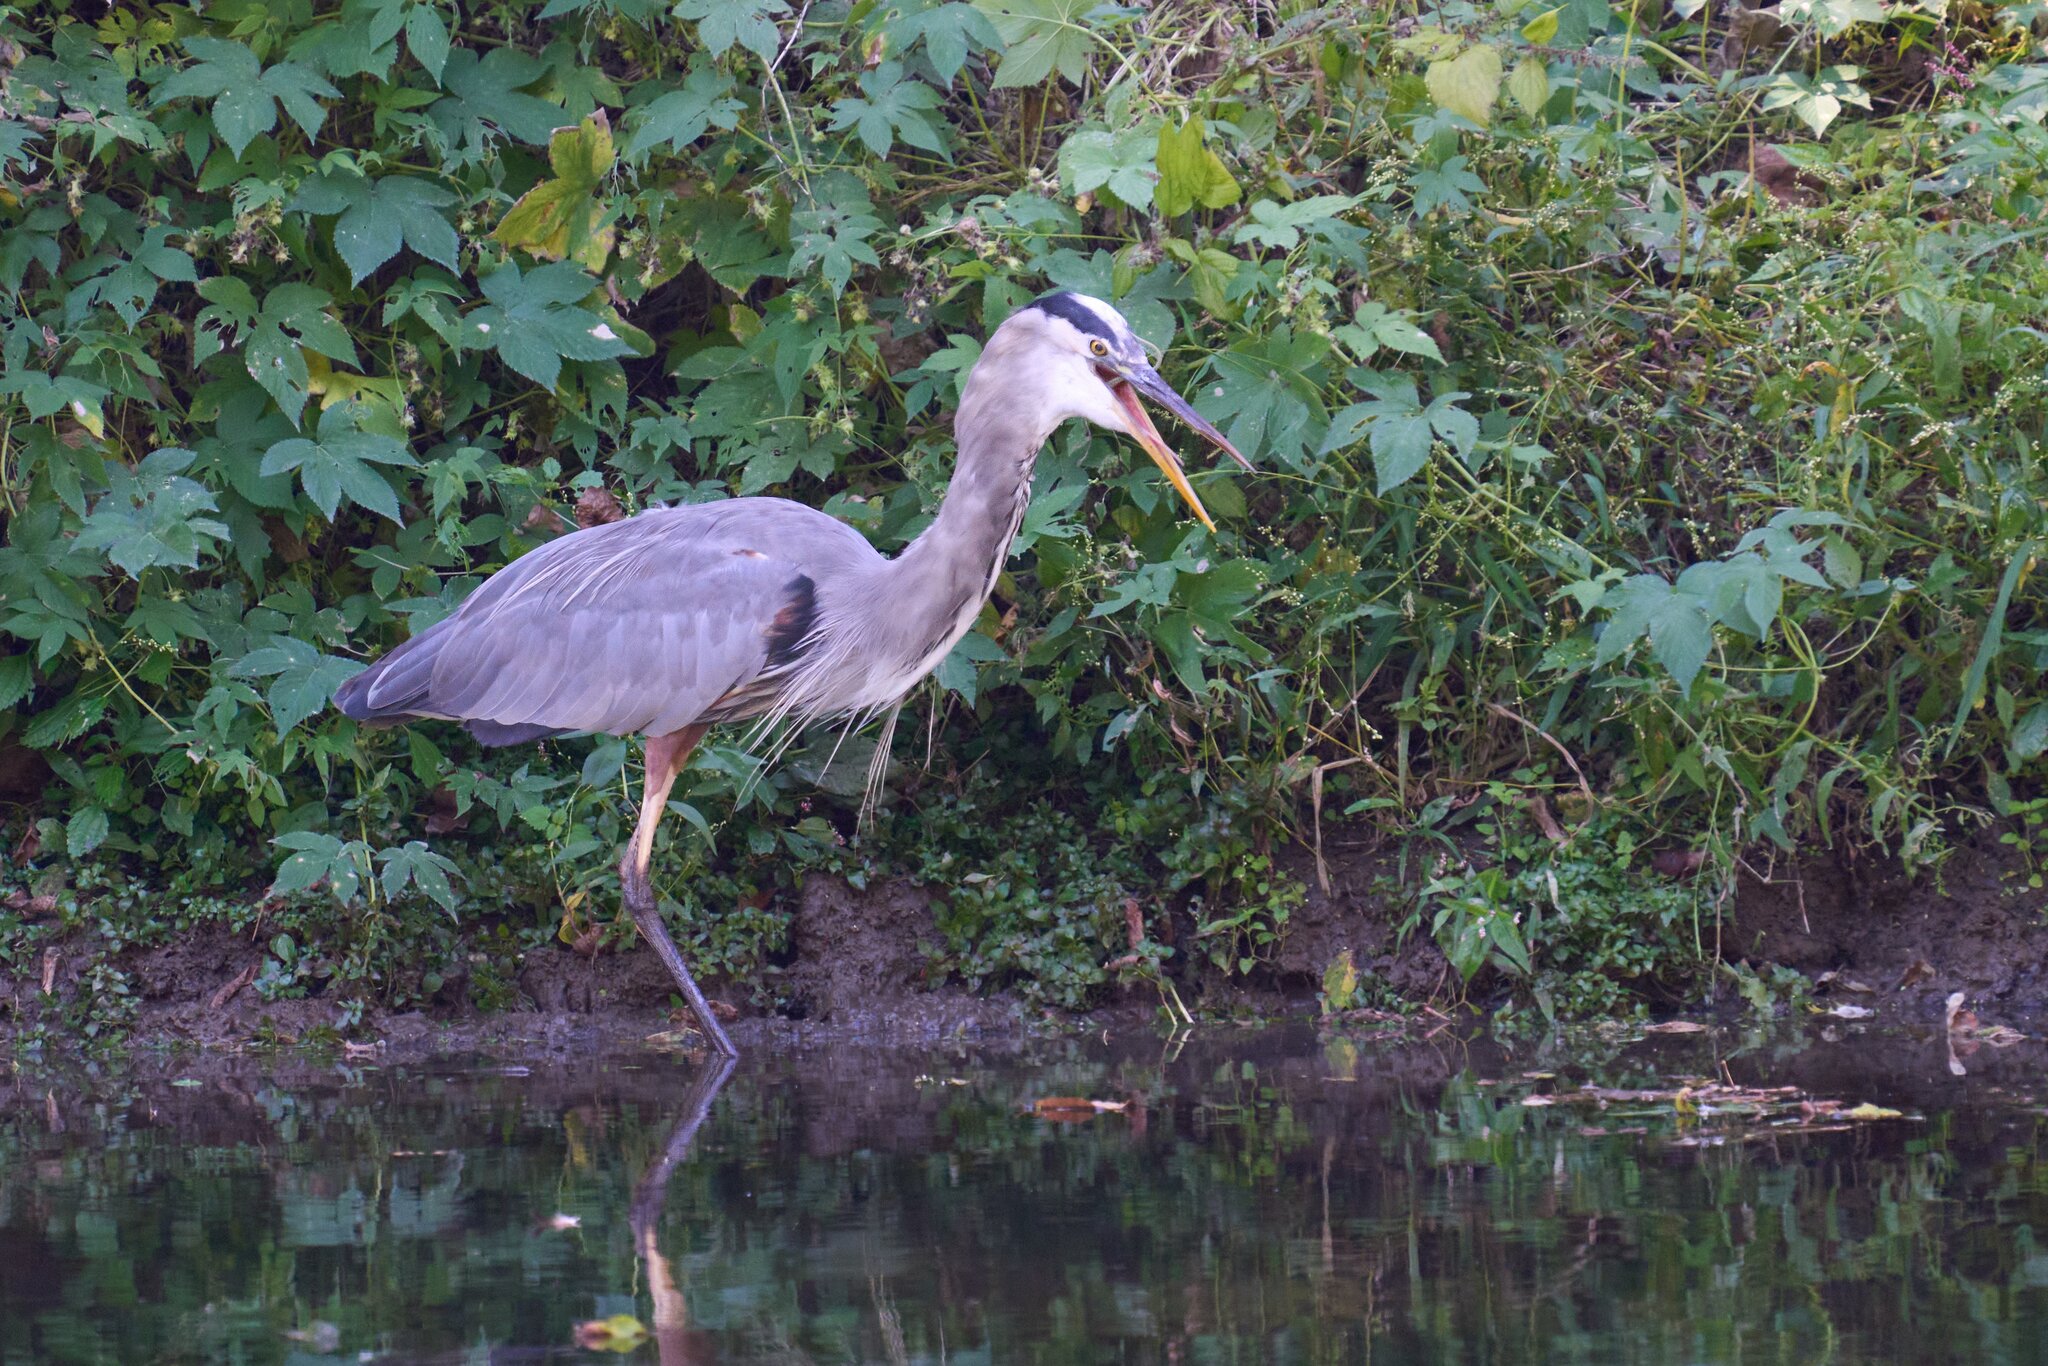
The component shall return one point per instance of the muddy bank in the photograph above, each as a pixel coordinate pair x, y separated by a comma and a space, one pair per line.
857, 968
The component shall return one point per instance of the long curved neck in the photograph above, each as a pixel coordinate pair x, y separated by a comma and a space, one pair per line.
941, 579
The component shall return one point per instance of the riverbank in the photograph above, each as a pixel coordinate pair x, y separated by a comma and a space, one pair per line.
1827, 932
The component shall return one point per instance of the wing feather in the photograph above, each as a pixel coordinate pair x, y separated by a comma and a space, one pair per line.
639, 625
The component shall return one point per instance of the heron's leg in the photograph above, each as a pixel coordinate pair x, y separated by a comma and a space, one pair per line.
666, 755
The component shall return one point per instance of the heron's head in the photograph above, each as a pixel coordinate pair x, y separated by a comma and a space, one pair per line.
1083, 360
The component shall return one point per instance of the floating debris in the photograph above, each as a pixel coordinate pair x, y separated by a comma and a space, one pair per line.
1676, 1027
1072, 1109
619, 1333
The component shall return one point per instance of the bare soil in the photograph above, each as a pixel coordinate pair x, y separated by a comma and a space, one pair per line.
856, 971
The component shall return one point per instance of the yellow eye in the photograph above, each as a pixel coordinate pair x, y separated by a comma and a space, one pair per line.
1099, 347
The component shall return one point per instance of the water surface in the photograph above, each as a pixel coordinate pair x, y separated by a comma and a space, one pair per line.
1256, 1197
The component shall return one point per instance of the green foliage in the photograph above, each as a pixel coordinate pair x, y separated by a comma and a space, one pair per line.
1602, 412
1579, 927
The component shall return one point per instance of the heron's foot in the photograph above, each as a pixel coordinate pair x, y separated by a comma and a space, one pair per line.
638, 896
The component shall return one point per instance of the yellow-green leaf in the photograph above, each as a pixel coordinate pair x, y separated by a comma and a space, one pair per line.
1542, 28
1529, 85
1189, 173
558, 218
1468, 83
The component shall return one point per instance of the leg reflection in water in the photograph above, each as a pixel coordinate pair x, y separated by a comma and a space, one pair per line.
673, 1341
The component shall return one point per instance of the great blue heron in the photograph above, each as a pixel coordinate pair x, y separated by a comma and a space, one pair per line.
680, 618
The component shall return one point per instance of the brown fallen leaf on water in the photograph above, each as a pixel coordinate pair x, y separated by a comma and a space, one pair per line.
1676, 1027
1918, 970
1835, 980
1533, 1101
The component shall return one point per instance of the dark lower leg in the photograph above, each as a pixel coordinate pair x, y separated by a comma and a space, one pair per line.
666, 755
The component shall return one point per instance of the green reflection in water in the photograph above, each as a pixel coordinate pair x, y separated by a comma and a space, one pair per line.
1260, 1199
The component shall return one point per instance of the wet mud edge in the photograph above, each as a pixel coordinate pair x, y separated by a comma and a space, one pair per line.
856, 969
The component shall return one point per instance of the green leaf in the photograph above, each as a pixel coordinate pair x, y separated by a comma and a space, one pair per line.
1280, 225
245, 95
832, 235
426, 36
679, 117
533, 325
293, 317
947, 31
341, 864
337, 464
722, 24
17, 680
86, 831
1401, 430
1041, 37
1680, 637
1096, 158
1987, 647
890, 107
416, 865
1467, 84
1189, 173
302, 680
1375, 326
485, 97
1445, 186
151, 515
1543, 28
1529, 85
378, 217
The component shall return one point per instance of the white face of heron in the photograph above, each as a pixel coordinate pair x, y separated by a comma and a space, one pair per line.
1062, 350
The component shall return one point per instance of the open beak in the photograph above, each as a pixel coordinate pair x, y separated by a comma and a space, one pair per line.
1130, 380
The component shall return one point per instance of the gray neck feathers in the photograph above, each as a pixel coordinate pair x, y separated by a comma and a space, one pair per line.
946, 573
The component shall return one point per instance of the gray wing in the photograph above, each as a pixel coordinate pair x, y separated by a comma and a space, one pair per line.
643, 625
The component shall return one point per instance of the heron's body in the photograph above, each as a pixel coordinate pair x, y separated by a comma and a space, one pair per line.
681, 618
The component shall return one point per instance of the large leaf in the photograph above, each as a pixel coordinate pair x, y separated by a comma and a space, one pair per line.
678, 118
1041, 37
153, 515
245, 95
722, 24
377, 217
890, 106
1467, 84
338, 463
558, 217
1189, 173
533, 323
302, 680
1121, 162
